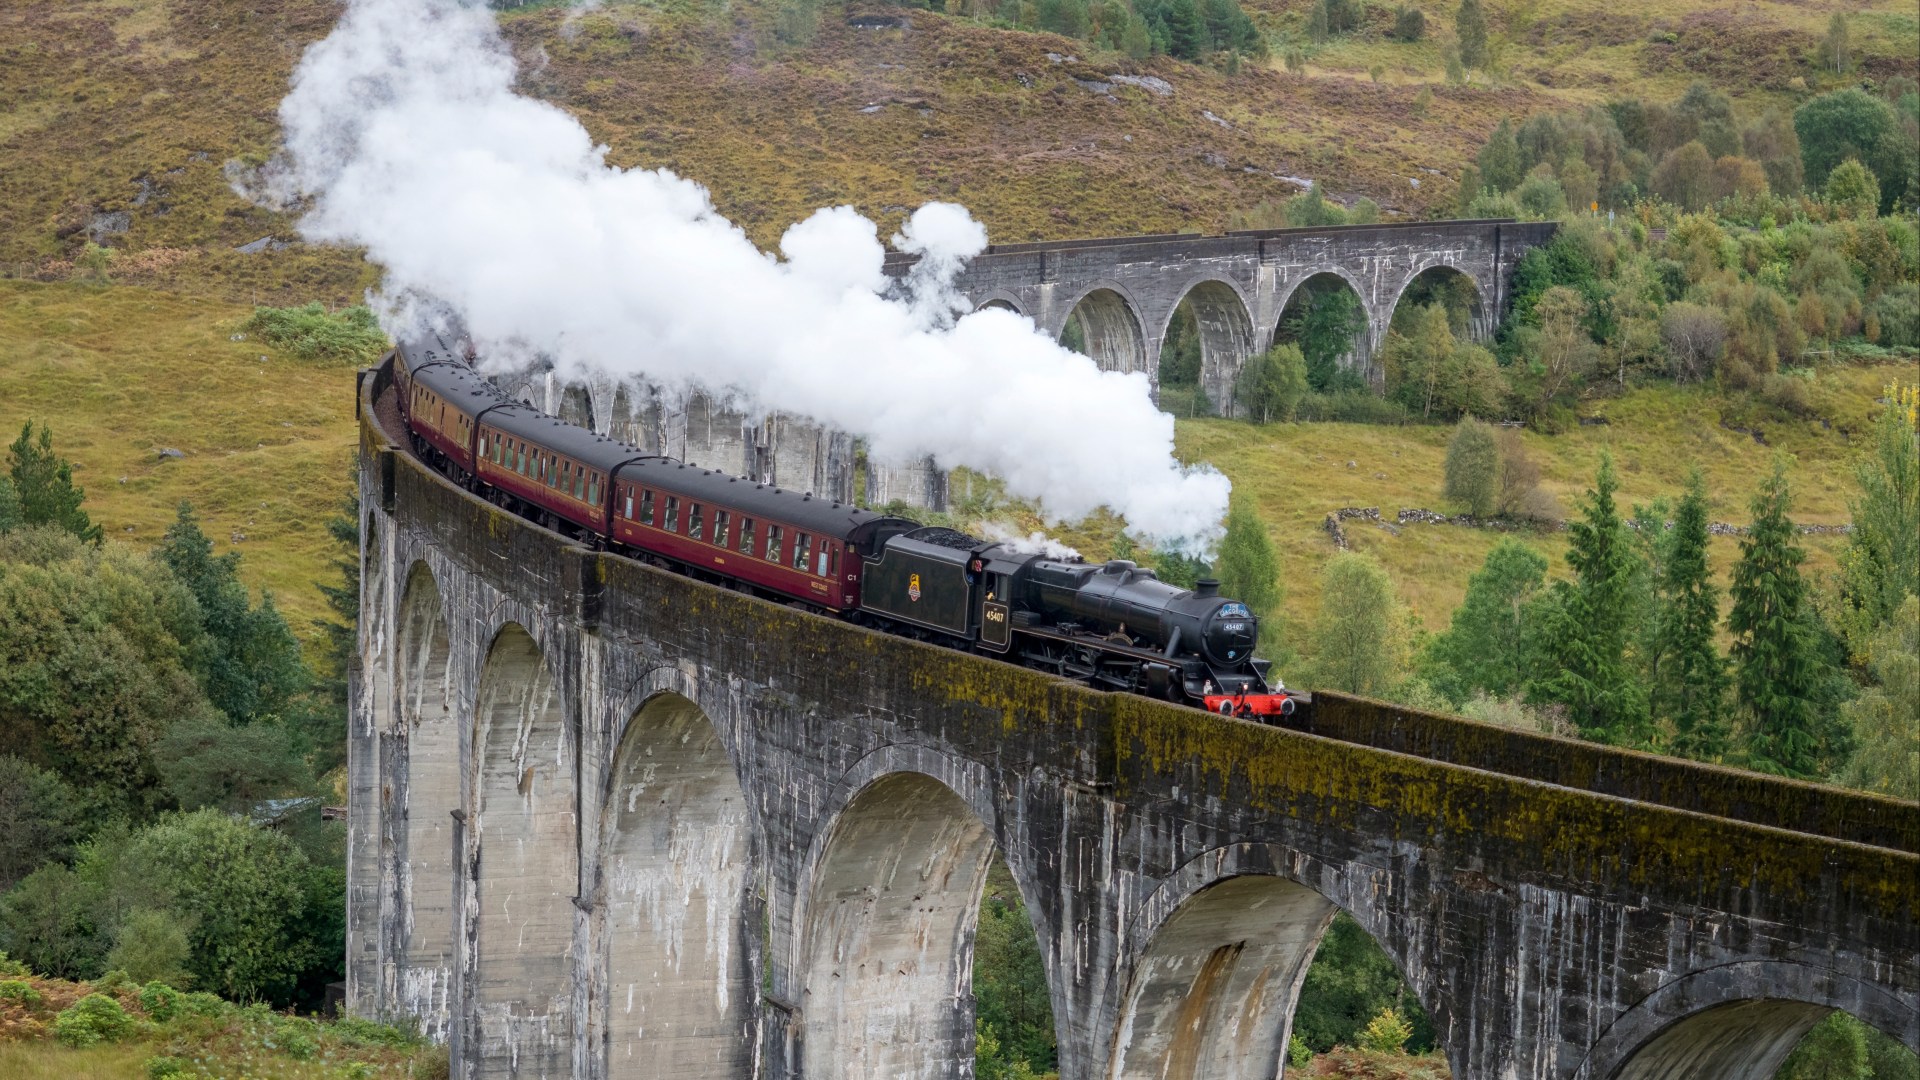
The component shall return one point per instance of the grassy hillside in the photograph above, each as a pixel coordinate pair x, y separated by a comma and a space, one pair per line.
121, 373
157, 1037
118, 119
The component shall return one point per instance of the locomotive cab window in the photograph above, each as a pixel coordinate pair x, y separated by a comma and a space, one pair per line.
719, 528
696, 521
673, 514
802, 550
773, 543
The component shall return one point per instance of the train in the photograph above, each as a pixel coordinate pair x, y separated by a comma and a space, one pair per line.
1111, 625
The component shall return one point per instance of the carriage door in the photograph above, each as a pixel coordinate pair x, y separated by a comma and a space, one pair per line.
995, 620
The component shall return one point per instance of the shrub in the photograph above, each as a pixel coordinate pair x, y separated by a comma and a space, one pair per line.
1898, 312
311, 332
1787, 393
1852, 187
357, 1032
1385, 1033
15, 990
164, 1068
1695, 337
160, 1001
1299, 1054
1520, 495
1353, 407
1409, 24
434, 1064
10, 966
202, 1004
152, 948
93, 1019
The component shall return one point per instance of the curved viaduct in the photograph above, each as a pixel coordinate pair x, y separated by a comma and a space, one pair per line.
1124, 290
608, 822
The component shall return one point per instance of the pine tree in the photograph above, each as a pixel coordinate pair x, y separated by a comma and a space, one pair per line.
43, 484
250, 665
1135, 41
1248, 568
1186, 33
1470, 25
1690, 686
1586, 640
1881, 564
1777, 667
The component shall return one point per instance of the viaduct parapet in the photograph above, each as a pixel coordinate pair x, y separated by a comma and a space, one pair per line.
607, 822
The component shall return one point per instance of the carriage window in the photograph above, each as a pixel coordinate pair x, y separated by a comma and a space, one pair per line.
802, 550
833, 569
720, 528
746, 536
593, 489
629, 503
773, 543
579, 482
822, 571
520, 455
673, 513
695, 523
646, 507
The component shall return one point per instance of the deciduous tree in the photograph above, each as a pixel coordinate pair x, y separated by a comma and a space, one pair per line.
1881, 564
1472, 468
1248, 567
1488, 647
1361, 632
1470, 26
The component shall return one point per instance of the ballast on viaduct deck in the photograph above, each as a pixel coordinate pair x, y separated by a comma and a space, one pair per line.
608, 822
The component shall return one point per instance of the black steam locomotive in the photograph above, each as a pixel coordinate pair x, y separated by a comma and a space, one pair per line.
1114, 625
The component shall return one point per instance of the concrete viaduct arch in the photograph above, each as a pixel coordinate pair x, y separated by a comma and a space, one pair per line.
680, 816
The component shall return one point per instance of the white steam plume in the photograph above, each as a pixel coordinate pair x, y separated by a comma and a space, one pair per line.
405, 132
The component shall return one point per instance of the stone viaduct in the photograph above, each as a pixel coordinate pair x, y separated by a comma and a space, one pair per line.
1123, 292
607, 822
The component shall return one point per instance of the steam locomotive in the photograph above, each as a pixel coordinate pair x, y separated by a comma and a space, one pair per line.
1114, 626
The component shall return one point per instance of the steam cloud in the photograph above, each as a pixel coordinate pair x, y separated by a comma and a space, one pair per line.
404, 132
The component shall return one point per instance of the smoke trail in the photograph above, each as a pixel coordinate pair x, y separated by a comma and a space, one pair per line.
403, 130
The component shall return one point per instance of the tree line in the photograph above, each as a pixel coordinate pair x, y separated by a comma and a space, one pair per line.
164, 735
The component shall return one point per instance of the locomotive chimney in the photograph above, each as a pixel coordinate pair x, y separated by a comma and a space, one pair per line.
1206, 587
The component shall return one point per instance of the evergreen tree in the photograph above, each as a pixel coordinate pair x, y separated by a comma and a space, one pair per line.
1186, 32
1689, 687
1586, 640
1776, 657
1135, 40
1489, 646
250, 665
1470, 25
1249, 570
43, 484
1317, 28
